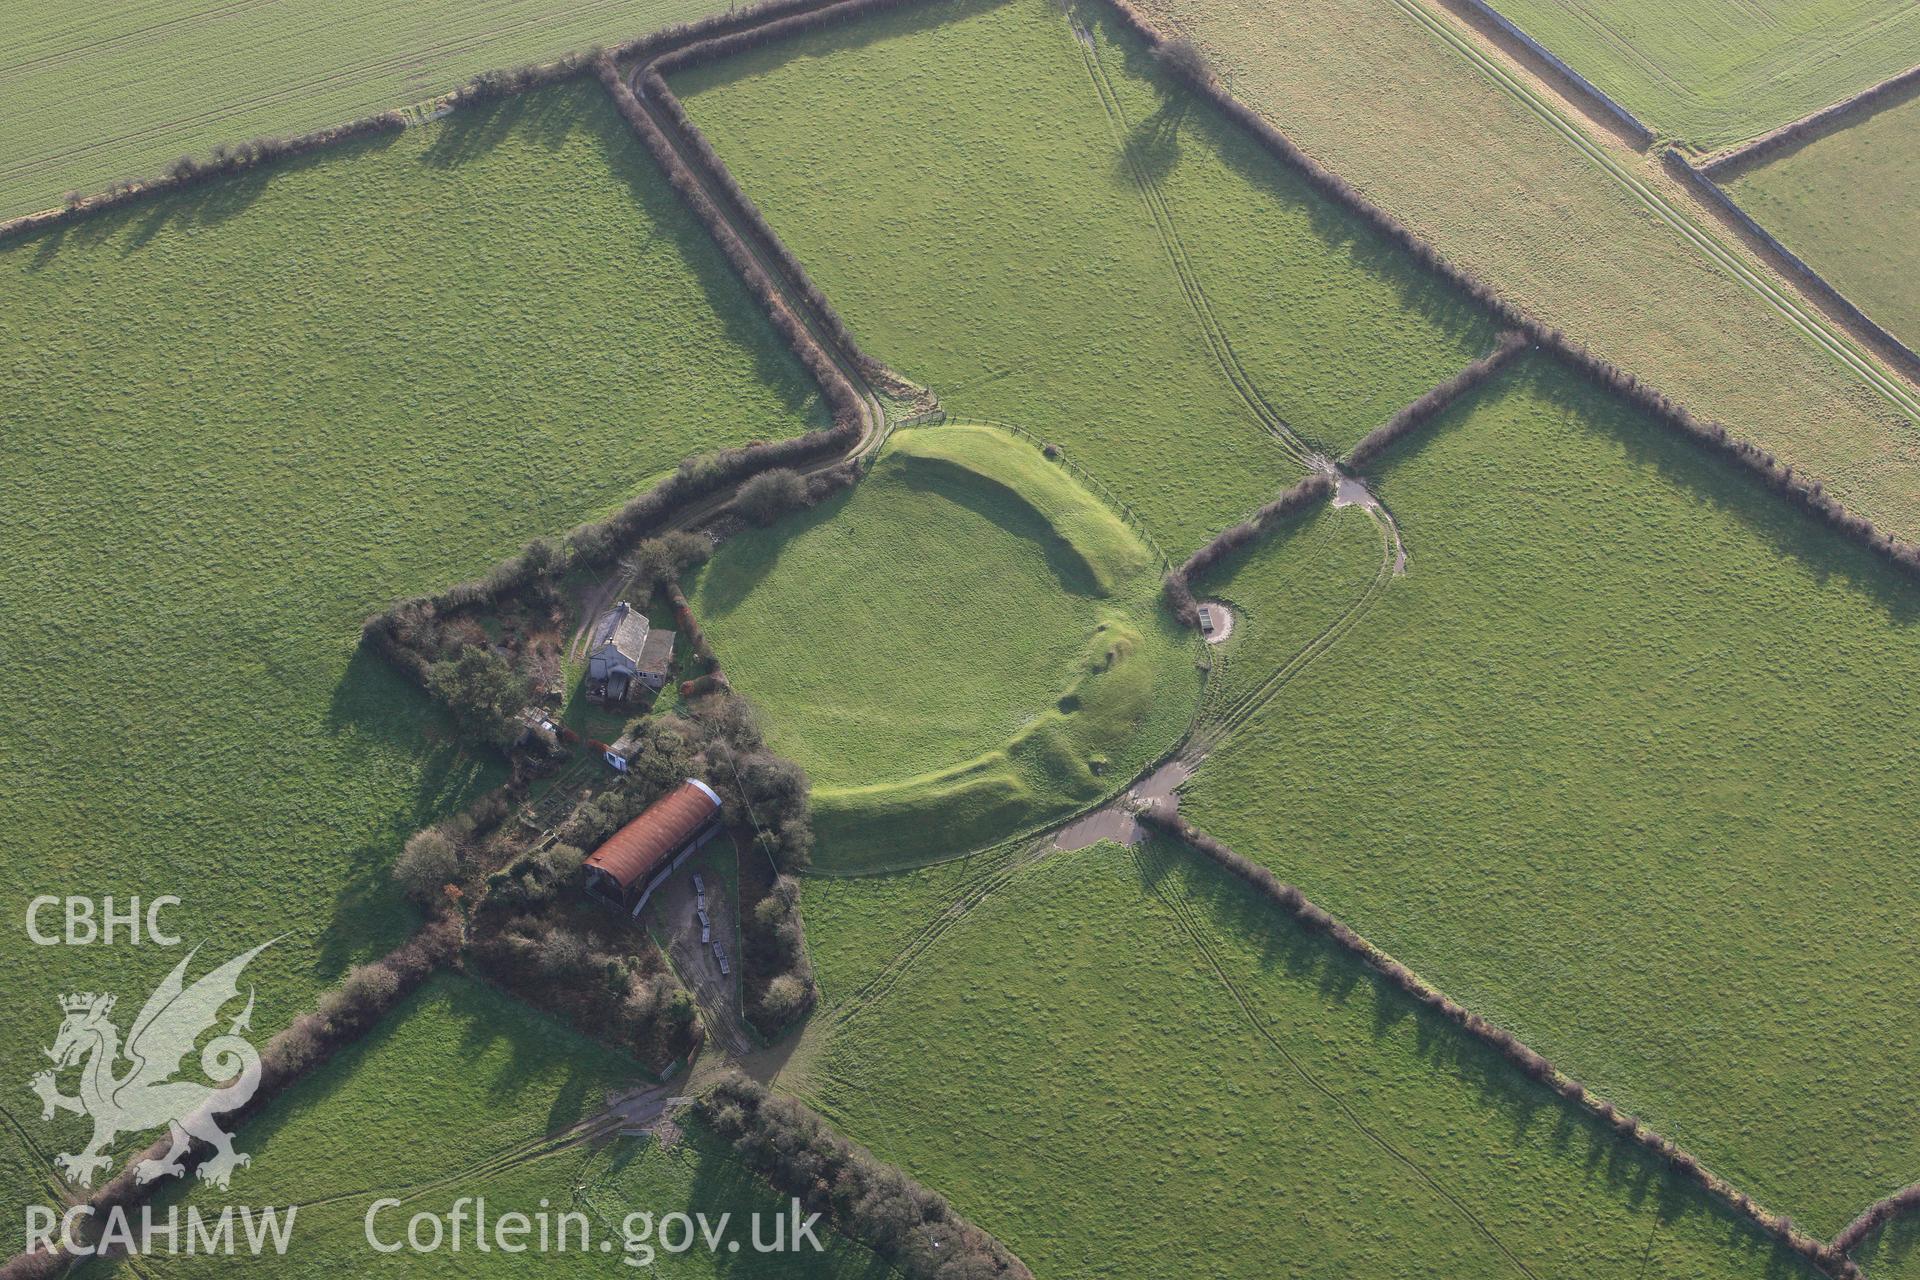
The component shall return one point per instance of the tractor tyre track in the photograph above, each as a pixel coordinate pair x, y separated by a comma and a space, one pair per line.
1185, 916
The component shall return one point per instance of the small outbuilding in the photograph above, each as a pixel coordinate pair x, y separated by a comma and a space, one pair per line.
626, 653
637, 859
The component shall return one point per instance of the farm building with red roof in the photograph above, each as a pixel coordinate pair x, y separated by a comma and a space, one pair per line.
634, 861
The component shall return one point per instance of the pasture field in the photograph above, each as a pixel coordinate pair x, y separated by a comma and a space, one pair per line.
1277, 1110
99, 92
240, 419
459, 1092
962, 645
1288, 587
1847, 203
1892, 1253
858, 925
1715, 74
1090, 210
1605, 766
1491, 180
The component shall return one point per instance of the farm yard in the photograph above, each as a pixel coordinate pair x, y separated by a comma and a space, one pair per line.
242, 418
1183, 725
96, 93
1842, 202
1714, 74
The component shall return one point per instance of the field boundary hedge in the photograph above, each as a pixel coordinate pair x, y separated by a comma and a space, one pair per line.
1580, 86
1180, 57
1177, 587
1435, 399
1533, 1065
869, 1201
1877, 1215
344, 1015
1829, 119
1789, 263
488, 86
652, 77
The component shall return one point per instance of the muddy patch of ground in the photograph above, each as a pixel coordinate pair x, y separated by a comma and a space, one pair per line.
1116, 822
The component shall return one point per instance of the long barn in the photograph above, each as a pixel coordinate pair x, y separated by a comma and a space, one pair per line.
637, 859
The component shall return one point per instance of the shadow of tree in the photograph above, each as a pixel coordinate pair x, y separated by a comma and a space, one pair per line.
1243, 921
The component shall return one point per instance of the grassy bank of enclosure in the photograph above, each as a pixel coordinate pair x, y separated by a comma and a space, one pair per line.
459, 1093
240, 419
1081, 249
1714, 74
106, 92
1278, 1110
1373, 93
1846, 203
1628, 727
964, 644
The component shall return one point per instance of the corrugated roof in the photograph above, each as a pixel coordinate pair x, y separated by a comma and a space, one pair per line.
636, 850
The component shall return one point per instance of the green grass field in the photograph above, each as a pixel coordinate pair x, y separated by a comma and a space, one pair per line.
1606, 766
242, 419
460, 1092
1086, 210
1275, 1111
1288, 588
1892, 1253
101, 92
1841, 201
963, 645
1478, 170
1715, 74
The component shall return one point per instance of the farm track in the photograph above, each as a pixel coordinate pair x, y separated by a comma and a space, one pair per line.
873, 425
1218, 725
1188, 920
1803, 316
1001, 872
1244, 386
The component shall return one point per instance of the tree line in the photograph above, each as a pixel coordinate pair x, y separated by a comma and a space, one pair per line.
1533, 1065
840, 395
343, 1015
713, 48
908, 1226
1184, 62
1177, 587
1435, 399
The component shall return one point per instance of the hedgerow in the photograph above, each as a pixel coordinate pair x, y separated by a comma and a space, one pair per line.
867, 1200
1529, 1062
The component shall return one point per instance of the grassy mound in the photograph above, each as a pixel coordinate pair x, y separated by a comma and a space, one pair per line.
1608, 765
964, 644
1111, 552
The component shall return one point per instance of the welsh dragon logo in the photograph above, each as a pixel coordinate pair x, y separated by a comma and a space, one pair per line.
146, 1096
